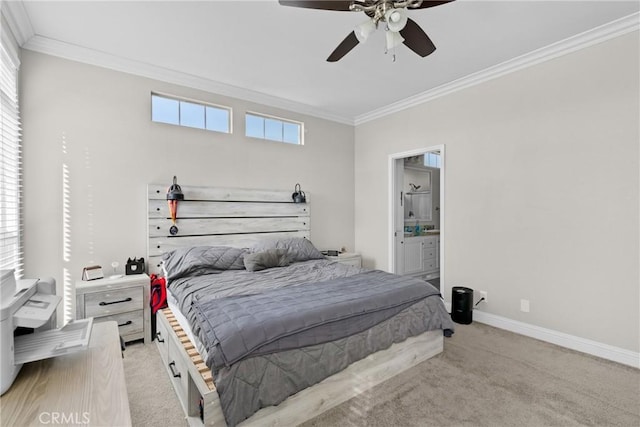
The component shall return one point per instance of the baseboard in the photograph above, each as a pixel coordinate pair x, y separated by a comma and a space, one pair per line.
594, 348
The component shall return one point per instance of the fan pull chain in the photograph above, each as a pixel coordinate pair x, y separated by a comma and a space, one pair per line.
392, 52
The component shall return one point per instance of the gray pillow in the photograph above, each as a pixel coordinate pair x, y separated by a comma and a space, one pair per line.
199, 260
267, 259
298, 248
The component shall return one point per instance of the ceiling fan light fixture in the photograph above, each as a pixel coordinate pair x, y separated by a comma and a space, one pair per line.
364, 30
393, 39
396, 19
399, 28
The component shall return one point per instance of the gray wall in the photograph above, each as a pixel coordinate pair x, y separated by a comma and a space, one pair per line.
541, 184
97, 123
541, 192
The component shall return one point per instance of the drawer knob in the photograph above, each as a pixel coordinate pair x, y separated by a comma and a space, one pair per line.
159, 337
128, 322
102, 303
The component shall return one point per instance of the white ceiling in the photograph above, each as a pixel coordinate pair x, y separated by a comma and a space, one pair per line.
262, 50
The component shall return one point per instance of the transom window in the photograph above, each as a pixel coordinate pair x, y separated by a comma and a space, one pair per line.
273, 128
182, 112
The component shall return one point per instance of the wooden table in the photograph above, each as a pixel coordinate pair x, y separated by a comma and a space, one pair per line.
84, 388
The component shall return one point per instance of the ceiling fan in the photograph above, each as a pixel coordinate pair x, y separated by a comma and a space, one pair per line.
399, 27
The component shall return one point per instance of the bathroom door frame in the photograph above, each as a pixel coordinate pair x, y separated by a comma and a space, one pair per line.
394, 191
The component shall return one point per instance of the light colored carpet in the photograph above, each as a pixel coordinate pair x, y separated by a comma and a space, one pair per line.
484, 377
152, 400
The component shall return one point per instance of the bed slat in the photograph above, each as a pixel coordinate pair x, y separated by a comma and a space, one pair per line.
159, 227
208, 209
204, 371
160, 245
191, 192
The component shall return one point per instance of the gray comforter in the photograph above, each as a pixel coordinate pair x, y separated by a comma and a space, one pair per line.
298, 316
229, 283
261, 365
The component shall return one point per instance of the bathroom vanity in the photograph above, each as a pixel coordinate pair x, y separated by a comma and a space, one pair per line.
422, 256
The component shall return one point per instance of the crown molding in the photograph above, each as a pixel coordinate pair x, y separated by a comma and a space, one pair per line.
21, 26
101, 59
594, 36
18, 21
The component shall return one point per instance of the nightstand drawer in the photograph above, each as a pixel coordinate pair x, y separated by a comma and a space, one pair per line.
113, 302
348, 259
128, 323
356, 261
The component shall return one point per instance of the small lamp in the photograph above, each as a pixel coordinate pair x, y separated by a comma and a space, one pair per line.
174, 193
298, 195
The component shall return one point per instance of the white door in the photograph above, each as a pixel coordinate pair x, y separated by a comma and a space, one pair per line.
397, 250
399, 216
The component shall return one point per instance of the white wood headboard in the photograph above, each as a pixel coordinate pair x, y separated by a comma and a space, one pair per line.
221, 216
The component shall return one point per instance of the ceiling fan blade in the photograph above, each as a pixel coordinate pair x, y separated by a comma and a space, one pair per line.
318, 4
416, 39
426, 4
343, 48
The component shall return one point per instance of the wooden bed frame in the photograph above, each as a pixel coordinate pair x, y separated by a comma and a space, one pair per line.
240, 218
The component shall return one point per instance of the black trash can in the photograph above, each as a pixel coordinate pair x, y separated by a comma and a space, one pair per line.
462, 305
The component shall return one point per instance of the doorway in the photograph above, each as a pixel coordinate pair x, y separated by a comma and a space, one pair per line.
416, 212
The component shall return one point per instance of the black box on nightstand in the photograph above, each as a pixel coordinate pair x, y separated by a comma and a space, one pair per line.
134, 266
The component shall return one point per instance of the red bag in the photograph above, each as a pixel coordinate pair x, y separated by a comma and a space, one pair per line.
158, 297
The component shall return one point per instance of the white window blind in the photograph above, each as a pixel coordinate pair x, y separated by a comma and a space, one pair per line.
11, 256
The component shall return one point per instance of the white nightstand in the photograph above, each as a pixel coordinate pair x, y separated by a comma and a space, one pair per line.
124, 299
349, 258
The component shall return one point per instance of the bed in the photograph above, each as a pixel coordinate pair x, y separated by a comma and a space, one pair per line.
261, 329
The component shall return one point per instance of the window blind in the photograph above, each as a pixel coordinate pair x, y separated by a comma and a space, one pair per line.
11, 253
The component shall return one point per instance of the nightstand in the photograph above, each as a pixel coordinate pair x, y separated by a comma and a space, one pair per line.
124, 299
348, 258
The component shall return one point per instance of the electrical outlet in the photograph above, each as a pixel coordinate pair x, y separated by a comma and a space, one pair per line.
524, 305
483, 294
